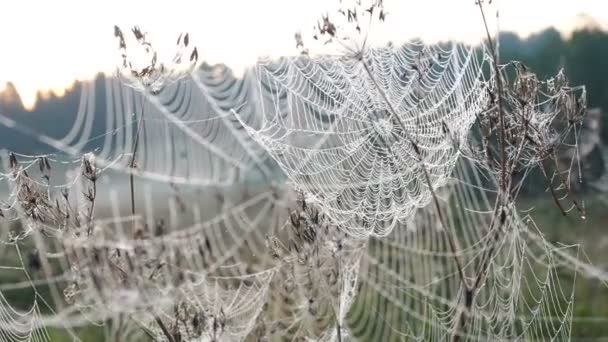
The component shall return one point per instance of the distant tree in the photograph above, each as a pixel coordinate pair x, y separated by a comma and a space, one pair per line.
587, 63
546, 51
543, 52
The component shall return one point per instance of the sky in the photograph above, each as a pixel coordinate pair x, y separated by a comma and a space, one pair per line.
47, 44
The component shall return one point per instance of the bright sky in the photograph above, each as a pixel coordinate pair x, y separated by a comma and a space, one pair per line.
47, 44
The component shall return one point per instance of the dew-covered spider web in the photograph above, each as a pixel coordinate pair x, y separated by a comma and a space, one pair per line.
334, 134
313, 199
185, 264
188, 133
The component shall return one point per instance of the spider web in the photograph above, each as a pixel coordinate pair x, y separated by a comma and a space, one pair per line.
20, 326
146, 271
188, 132
409, 276
334, 136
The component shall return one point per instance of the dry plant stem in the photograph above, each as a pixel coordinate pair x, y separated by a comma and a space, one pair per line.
481, 274
338, 325
164, 329
566, 186
502, 198
384, 96
134, 154
553, 194
74, 212
92, 207
480, 278
118, 332
148, 333
499, 88
451, 241
158, 321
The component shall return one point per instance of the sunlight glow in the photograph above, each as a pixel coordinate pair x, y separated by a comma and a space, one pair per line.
49, 44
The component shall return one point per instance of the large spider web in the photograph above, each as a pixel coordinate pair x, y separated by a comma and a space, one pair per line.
232, 264
333, 134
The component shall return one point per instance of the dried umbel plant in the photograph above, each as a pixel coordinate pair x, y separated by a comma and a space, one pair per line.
43, 207
47, 217
525, 124
316, 282
345, 31
540, 121
31, 199
140, 66
31, 196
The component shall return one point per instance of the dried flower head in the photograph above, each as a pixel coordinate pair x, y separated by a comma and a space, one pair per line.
89, 168
346, 29
140, 66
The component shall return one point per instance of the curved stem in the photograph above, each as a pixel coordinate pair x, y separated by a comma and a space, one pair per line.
134, 154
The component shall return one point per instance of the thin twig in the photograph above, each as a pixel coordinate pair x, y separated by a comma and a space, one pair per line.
134, 154
164, 329
502, 197
499, 87
451, 241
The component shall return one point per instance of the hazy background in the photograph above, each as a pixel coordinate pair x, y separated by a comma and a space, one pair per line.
47, 44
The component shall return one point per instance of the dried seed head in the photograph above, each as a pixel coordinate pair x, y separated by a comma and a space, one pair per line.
141, 68
137, 33
13, 161
89, 169
343, 27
